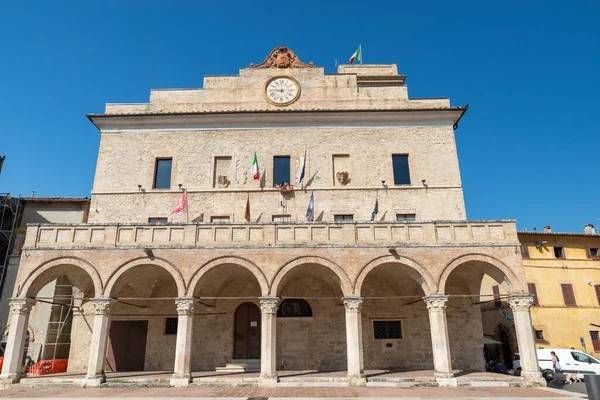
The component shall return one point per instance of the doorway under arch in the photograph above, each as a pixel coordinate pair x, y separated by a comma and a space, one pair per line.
246, 336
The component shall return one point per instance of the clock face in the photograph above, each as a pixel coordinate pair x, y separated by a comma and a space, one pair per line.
282, 91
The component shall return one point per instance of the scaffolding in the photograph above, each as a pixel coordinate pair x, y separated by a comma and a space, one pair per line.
10, 209
58, 334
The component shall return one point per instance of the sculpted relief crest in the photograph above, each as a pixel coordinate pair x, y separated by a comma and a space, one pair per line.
282, 57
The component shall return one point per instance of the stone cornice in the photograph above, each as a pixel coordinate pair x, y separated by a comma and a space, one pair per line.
418, 187
260, 119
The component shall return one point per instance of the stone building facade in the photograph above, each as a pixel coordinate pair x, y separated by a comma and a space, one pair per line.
241, 275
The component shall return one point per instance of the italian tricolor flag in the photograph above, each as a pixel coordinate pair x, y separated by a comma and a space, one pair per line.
254, 171
355, 56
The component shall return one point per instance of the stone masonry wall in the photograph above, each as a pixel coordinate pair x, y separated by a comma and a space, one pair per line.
431, 150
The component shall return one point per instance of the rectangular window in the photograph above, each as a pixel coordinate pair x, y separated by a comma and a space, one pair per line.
595, 340
568, 294
592, 252
282, 218
597, 287
525, 251
158, 220
533, 290
162, 173
387, 329
401, 169
343, 218
405, 217
539, 334
496, 291
559, 252
171, 326
281, 170
219, 219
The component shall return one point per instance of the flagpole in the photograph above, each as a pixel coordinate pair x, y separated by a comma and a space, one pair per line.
361, 54
187, 208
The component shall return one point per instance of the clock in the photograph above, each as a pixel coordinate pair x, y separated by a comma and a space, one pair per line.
282, 91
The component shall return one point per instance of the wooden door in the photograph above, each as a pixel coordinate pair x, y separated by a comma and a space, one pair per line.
246, 337
128, 343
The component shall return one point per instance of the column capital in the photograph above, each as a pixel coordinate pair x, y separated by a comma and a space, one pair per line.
353, 303
520, 301
436, 302
20, 305
102, 306
268, 304
185, 305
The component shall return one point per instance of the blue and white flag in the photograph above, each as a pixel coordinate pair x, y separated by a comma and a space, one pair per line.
302, 168
310, 212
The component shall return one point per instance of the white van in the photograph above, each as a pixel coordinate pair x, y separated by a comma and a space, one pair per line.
571, 361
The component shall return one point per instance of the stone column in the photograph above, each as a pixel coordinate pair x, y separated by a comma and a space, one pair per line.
440, 341
530, 370
354, 343
268, 341
13, 355
183, 354
99, 343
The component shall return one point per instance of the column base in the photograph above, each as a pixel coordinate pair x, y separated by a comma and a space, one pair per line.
180, 380
533, 379
6, 380
446, 382
94, 381
357, 380
268, 380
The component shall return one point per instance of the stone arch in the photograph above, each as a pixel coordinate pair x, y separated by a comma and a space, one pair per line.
420, 274
345, 283
47, 270
156, 261
242, 262
499, 272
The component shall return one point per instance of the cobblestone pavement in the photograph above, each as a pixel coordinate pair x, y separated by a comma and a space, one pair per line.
285, 392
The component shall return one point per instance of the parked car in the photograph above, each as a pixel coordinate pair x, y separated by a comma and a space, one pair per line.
571, 361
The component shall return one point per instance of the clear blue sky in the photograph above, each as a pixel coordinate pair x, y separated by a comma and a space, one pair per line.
528, 146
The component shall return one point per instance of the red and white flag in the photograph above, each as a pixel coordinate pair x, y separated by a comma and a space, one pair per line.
181, 205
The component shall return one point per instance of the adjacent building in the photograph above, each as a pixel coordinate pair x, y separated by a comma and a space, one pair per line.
563, 273
48, 329
384, 272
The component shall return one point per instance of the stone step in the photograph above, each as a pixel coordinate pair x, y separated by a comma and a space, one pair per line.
402, 379
402, 384
311, 384
313, 379
45, 384
231, 382
138, 380
240, 366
